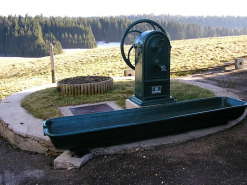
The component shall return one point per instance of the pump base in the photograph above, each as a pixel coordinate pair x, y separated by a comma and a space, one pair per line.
152, 101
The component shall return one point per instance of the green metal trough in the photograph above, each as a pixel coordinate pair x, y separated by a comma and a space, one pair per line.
117, 127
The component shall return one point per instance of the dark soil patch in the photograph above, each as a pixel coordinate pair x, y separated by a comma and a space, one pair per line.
84, 79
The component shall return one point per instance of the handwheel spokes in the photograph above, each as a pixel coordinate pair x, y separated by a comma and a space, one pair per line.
153, 26
130, 51
127, 31
138, 31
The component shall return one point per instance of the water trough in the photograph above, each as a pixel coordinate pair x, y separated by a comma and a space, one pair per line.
90, 131
159, 114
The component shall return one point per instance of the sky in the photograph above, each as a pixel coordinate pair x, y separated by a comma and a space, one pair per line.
88, 8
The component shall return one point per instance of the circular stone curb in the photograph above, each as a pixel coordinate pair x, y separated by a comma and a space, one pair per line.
22, 129
26, 132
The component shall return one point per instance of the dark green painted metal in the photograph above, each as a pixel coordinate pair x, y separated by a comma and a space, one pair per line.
152, 69
117, 127
128, 31
152, 65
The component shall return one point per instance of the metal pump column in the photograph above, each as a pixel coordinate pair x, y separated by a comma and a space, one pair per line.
152, 65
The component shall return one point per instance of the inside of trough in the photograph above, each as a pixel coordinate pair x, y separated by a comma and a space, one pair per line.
135, 116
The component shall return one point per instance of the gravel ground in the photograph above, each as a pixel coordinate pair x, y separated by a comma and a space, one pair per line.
215, 159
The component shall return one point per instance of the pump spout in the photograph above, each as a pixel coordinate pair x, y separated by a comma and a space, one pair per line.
158, 66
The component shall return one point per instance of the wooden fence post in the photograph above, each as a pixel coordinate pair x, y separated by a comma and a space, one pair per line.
53, 73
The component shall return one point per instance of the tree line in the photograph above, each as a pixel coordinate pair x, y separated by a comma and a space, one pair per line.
111, 29
231, 22
30, 36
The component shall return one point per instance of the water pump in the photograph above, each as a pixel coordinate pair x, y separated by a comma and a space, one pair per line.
152, 64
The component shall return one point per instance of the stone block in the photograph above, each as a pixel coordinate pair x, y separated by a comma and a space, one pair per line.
239, 63
131, 105
129, 72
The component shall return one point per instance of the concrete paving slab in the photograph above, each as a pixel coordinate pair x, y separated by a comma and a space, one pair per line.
68, 160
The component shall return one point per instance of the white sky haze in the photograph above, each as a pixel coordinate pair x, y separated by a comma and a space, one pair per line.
87, 8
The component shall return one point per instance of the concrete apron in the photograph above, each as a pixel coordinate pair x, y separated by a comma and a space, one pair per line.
26, 132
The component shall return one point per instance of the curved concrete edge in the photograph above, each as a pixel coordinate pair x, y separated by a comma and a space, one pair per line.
218, 91
21, 128
26, 132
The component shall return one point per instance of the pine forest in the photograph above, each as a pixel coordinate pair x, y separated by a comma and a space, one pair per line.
31, 36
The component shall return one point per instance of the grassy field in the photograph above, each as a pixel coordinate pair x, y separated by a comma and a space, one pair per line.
19, 74
5, 61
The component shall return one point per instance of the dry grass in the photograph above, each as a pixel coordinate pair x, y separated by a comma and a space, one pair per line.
185, 55
49, 100
5, 61
204, 53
